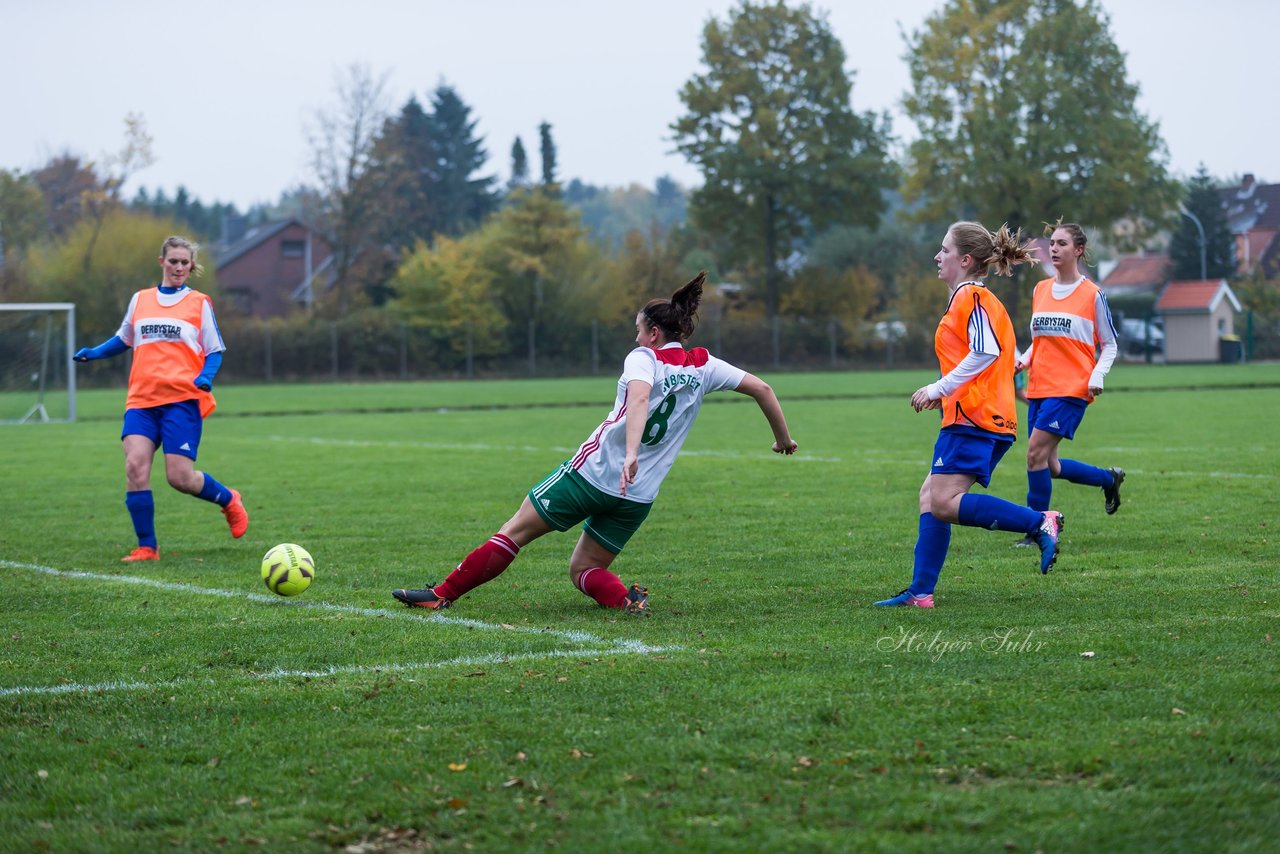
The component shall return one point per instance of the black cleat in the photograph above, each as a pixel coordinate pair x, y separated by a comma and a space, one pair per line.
1112, 492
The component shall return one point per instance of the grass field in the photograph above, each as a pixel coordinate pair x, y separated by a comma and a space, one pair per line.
1127, 701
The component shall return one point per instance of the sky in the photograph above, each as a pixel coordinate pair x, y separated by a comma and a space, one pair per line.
228, 89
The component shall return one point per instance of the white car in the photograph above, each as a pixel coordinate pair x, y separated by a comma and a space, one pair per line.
1135, 333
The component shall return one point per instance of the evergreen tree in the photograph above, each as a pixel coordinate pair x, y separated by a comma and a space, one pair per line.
548, 148
1204, 202
462, 200
519, 165
404, 165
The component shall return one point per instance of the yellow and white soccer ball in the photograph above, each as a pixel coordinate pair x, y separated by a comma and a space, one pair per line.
287, 569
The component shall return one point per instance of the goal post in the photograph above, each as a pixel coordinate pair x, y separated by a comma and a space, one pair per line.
37, 374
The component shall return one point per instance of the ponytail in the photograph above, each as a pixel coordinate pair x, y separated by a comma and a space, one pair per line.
678, 316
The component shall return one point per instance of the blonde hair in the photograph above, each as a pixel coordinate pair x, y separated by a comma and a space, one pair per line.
177, 241
1002, 249
1078, 238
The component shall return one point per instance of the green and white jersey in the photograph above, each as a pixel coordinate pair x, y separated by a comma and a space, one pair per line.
679, 379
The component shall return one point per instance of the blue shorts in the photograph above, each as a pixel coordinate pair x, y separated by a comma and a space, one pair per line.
974, 453
1058, 415
175, 426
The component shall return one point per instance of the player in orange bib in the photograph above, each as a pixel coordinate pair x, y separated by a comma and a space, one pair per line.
1073, 345
975, 347
177, 351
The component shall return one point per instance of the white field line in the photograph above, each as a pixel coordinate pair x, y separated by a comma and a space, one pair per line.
622, 648
869, 456
588, 644
572, 636
484, 446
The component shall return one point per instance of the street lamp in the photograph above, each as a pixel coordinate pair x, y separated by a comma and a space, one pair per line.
1204, 269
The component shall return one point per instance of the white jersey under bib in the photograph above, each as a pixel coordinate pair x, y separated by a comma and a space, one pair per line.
679, 380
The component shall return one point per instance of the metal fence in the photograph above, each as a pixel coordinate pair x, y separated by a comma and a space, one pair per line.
374, 348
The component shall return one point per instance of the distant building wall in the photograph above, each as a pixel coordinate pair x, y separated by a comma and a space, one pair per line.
260, 280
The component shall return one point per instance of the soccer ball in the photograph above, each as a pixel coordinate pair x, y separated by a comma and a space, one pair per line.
288, 569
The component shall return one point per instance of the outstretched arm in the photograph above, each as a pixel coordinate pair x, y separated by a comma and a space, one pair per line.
637, 415
113, 346
760, 391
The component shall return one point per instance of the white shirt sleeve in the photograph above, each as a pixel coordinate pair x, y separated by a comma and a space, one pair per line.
640, 364
983, 351
125, 332
1105, 329
720, 375
210, 337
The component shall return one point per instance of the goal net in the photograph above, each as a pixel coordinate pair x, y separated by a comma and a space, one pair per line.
37, 376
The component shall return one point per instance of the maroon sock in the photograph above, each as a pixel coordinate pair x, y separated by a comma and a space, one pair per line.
484, 564
604, 587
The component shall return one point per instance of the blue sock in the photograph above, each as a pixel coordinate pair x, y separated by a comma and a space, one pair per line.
987, 511
931, 552
142, 509
1078, 472
214, 491
1039, 489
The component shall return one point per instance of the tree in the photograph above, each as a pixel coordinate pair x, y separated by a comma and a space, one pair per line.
342, 143
1025, 114
64, 182
446, 289
771, 126
519, 166
536, 246
548, 149
98, 201
1204, 202
463, 200
404, 168
22, 217
124, 262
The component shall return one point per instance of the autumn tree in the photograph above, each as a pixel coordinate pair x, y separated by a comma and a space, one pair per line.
446, 289
770, 124
115, 171
1204, 203
1025, 114
530, 262
342, 144
22, 217
64, 182
124, 262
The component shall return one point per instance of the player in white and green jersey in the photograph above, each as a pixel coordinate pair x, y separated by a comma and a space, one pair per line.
613, 479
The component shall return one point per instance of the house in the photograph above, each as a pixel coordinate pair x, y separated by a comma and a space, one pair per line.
1197, 316
1136, 274
269, 270
1253, 216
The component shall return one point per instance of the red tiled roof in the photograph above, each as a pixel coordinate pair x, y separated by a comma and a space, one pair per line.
1252, 245
1135, 271
1194, 296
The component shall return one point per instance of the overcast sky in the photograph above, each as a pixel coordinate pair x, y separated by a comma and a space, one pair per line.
227, 87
